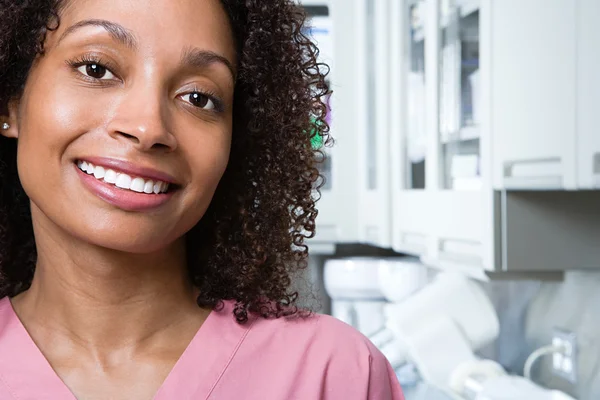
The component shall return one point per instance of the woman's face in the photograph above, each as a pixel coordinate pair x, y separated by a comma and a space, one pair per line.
142, 90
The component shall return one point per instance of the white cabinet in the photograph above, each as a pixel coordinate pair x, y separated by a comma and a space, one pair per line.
320, 30
497, 95
442, 201
588, 94
408, 139
544, 110
355, 203
545, 94
441, 108
533, 93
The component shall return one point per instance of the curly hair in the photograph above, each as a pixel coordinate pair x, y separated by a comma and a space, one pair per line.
251, 240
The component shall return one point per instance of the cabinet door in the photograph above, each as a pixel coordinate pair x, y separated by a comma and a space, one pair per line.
414, 36
533, 93
320, 29
356, 201
588, 94
458, 95
408, 136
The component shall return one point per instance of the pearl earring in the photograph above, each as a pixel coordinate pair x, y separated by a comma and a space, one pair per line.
5, 126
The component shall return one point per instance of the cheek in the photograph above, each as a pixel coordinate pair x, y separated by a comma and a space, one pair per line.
215, 161
208, 161
52, 115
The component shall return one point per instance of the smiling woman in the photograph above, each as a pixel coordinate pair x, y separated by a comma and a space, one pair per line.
156, 187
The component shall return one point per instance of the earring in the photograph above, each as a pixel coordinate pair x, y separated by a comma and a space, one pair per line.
5, 126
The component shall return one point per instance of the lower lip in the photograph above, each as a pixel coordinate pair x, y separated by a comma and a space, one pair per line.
124, 199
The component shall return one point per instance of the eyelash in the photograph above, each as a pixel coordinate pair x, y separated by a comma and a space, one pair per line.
87, 59
212, 96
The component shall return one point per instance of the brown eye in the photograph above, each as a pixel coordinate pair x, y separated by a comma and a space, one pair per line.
96, 71
200, 100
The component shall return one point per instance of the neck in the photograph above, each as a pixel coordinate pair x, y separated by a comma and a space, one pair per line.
104, 298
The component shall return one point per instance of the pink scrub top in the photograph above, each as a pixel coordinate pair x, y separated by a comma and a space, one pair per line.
304, 359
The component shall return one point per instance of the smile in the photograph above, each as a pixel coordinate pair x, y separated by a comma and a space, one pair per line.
122, 180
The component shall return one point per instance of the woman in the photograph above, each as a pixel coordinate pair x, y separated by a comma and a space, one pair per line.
156, 178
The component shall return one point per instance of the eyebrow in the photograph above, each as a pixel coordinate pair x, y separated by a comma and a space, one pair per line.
197, 58
192, 57
118, 32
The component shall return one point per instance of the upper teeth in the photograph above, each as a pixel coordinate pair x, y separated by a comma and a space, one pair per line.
122, 180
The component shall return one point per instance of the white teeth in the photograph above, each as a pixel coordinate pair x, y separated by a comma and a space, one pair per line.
110, 176
148, 187
123, 181
137, 185
99, 172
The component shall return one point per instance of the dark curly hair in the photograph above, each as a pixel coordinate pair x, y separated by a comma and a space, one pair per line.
251, 240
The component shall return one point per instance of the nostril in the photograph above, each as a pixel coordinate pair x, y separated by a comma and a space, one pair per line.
147, 141
128, 136
160, 146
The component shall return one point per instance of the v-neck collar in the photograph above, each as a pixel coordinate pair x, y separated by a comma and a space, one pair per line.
28, 375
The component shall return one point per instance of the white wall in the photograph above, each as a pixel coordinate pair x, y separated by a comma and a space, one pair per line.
573, 305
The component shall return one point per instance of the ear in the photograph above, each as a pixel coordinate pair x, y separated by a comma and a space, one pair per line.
8, 124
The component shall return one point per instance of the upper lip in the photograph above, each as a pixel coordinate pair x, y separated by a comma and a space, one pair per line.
130, 169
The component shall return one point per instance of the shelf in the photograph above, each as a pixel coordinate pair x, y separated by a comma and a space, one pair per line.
466, 133
477, 272
467, 183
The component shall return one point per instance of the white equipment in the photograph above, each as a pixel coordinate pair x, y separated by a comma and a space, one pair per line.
437, 326
361, 287
486, 380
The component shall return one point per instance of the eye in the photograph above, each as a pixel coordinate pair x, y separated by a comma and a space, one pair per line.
200, 100
96, 71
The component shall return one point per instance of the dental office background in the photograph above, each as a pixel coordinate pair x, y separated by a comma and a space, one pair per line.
459, 223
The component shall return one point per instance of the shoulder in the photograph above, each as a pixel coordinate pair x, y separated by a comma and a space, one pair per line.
313, 357
344, 362
320, 328
337, 337
322, 340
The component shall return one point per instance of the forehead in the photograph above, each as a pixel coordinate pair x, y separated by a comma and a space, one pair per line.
158, 25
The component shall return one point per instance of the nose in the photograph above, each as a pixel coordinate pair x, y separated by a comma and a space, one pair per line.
140, 117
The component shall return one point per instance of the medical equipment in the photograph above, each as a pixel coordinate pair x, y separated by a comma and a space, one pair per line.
360, 288
439, 327
436, 324
486, 380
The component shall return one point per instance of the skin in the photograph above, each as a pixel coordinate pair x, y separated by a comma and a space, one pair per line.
110, 306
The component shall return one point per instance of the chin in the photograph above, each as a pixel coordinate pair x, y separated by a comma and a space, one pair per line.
139, 244
128, 235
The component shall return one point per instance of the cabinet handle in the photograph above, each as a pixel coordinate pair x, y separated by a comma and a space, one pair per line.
413, 243
546, 173
596, 170
464, 251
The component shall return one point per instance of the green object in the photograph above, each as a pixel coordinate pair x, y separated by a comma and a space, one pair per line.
316, 140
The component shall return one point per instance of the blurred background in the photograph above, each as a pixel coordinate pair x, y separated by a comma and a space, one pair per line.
459, 223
